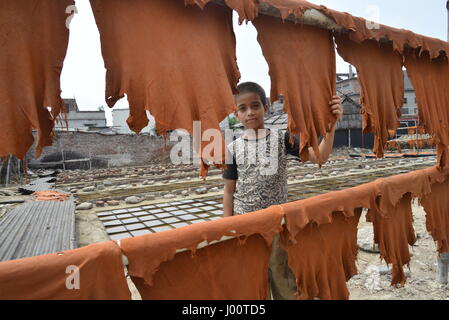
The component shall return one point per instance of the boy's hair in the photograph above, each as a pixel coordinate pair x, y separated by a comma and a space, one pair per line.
253, 87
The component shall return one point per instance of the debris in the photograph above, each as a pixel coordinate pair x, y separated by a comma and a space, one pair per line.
133, 200
201, 191
150, 197
99, 203
50, 195
113, 202
107, 183
84, 206
48, 173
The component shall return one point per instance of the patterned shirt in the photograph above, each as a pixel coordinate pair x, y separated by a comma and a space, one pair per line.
260, 168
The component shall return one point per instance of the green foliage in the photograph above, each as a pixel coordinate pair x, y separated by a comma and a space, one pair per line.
232, 122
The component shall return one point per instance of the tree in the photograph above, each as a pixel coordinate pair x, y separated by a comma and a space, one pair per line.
232, 122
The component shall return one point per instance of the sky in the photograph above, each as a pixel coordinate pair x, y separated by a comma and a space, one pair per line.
83, 74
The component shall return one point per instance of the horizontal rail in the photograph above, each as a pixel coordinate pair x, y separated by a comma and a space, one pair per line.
201, 245
310, 17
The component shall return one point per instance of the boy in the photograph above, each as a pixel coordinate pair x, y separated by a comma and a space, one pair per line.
251, 185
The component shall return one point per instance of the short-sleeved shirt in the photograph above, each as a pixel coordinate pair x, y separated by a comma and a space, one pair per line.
260, 168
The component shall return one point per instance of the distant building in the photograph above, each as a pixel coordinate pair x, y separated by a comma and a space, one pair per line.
120, 125
277, 107
82, 120
350, 88
410, 108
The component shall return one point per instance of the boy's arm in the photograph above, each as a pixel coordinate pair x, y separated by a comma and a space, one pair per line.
228, 197
230, 176
326, 146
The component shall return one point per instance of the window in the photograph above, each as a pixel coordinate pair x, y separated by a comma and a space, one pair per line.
405, 100
405, 111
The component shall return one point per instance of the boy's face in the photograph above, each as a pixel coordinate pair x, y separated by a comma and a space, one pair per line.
250, 110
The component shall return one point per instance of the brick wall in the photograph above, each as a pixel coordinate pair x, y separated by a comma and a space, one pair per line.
121, 149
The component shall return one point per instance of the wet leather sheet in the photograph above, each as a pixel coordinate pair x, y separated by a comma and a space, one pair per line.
246, 9
331, 221
316, 216
214, 272
379, 72
291, 7
324, 257
301, 62
361, 29
394, 232
227, 270
50, 195
177, 62
430, 79
436, 206
33, 44
101, 275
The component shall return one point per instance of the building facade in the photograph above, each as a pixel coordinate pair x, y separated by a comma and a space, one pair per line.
120, 125
350, 89
82, 120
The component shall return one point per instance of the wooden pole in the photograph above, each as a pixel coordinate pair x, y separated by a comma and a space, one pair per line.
18, 170
8, 170
63, 160
349, 137
311, 17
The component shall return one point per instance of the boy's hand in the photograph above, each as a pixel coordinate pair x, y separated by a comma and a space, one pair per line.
336, 108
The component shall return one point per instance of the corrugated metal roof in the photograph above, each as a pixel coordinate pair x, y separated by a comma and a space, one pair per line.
40, 184
36, 228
